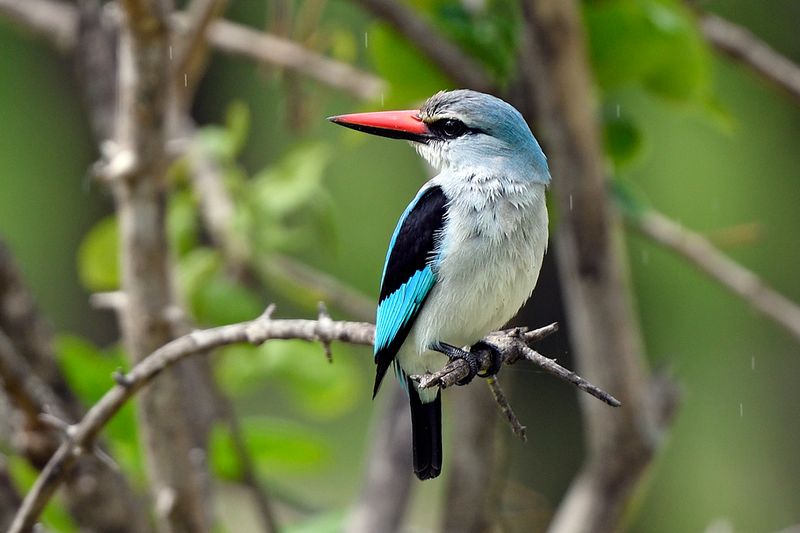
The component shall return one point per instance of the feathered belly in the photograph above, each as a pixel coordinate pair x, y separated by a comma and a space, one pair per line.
481, 285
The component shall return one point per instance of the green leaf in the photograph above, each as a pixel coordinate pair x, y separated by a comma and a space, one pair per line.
212, 297
89, 370
654, 43
286, 206
623, 140
98, 262
276, 447
319, 389
237, 123
224, 461
182, 226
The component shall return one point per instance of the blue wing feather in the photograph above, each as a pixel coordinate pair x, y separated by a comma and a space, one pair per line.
398, 308
408, 274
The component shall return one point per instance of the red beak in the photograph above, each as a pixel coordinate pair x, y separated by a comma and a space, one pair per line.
395, 124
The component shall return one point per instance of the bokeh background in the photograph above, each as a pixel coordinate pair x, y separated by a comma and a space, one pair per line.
691, 133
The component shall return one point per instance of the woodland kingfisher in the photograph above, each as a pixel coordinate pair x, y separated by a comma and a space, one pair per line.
466, 252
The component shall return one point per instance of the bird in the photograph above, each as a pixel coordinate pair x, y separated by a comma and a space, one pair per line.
465, 254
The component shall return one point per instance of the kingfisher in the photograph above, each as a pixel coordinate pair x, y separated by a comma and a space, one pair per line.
466, 252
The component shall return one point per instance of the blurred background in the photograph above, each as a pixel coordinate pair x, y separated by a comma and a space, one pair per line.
687, 131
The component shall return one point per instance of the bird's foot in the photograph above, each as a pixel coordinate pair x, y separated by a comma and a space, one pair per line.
494, 352
454, 353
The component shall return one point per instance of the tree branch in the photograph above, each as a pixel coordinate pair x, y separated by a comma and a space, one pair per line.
719, 267
456, 64
134, 168
83, 434
34, 385
57, 22
741, 45
9, 497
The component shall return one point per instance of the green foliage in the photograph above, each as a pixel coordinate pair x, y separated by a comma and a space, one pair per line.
98, 262
277, 447
182, 222
412, 77
318, 389
652, 43
89, 370
55, 515
212, 297
489, 33
622, 139
289, 210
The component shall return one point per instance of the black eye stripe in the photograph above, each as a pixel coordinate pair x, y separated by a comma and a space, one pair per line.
450, 128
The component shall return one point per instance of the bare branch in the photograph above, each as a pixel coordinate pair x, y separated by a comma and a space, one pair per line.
513, 345
35, 385
22, 385
57, 22
258, 331
265, 48
191, 47
502, 401
741, 45
456, 64
174, 445
730, 274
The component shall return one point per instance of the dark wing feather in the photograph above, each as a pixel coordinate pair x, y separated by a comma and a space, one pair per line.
408, 275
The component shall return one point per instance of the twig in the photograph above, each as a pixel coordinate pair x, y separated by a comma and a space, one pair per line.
456, 64
108, 503
191, 46
265, 48
57, 22
22, 385
740, 44
709, 260
254, 332
505, 407
513, 345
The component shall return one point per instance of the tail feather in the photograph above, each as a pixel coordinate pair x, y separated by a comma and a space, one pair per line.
426, 429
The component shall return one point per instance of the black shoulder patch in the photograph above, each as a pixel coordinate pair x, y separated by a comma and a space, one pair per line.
410, 253
415, 240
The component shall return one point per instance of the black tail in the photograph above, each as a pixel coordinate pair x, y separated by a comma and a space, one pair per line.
426, 429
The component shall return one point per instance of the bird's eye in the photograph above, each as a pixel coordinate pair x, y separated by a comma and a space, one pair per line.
452, 128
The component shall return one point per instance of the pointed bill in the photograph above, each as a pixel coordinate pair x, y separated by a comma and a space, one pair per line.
394, 124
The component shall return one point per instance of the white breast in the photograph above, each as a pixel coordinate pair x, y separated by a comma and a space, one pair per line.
493, 243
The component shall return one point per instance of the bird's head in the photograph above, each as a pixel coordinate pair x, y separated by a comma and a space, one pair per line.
462, 130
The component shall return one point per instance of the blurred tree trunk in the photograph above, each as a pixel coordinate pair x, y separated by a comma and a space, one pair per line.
589, 249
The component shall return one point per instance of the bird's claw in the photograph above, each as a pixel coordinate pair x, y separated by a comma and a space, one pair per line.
453, 353
496, 356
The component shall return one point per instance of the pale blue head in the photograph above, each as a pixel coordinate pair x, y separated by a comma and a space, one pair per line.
463, 131
473, 130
